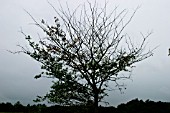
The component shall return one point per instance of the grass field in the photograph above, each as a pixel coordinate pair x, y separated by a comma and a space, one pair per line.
11, 112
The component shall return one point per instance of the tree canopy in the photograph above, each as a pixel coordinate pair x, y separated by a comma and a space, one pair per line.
84, 51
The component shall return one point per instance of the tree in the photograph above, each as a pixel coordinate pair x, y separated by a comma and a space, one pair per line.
85, 53
18, 107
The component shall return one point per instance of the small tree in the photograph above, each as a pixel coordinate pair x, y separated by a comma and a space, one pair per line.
85, 53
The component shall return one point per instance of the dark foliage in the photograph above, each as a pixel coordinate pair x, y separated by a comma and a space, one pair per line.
139, 106
133, 106
19, 108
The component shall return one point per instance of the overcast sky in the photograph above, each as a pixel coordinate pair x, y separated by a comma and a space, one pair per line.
151, 78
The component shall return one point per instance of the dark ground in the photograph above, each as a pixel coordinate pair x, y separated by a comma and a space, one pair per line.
133, 106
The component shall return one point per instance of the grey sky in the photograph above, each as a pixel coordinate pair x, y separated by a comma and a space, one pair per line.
151, 78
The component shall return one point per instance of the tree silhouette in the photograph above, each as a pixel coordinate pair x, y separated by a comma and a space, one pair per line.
85, 53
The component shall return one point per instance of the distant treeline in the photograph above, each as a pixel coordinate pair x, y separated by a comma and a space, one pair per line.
133, 106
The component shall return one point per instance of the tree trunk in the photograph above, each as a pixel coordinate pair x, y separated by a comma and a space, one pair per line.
96, 97
96, 100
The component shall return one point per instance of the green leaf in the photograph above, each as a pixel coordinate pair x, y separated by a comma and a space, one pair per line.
37, 76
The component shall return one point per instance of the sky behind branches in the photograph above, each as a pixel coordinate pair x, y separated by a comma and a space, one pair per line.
150, 78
